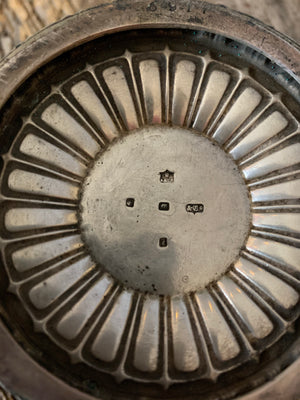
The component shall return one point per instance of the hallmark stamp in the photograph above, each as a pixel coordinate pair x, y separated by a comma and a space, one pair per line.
130, 202
166, 176
163, 242
164, 206
194, 208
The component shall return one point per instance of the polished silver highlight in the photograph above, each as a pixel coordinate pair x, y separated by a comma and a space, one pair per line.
150, 219
125, 243
151, 237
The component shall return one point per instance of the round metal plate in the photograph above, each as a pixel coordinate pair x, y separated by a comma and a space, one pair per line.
150, 204
155, 207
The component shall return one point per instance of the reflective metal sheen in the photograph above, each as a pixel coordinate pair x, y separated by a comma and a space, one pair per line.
150, 215
127, 238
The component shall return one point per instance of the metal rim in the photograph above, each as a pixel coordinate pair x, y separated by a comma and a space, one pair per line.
146, 23
62, 36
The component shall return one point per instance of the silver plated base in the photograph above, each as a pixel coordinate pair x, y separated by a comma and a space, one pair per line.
150, 215
155, 208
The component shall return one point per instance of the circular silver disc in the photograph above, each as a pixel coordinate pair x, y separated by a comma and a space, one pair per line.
165, 210
150, 205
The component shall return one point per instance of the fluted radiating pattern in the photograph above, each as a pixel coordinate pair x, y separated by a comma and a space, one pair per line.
100, 322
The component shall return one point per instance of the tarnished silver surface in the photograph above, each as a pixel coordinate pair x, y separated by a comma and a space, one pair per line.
5, 395
150, 215
160, 241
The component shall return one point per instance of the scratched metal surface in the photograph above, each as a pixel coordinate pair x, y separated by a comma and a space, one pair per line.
20, 19
39, 172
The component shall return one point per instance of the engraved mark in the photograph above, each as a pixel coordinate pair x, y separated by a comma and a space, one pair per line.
164, 206
172, 5
130, 202
163, 242
166, 176
151, 7
194, 208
